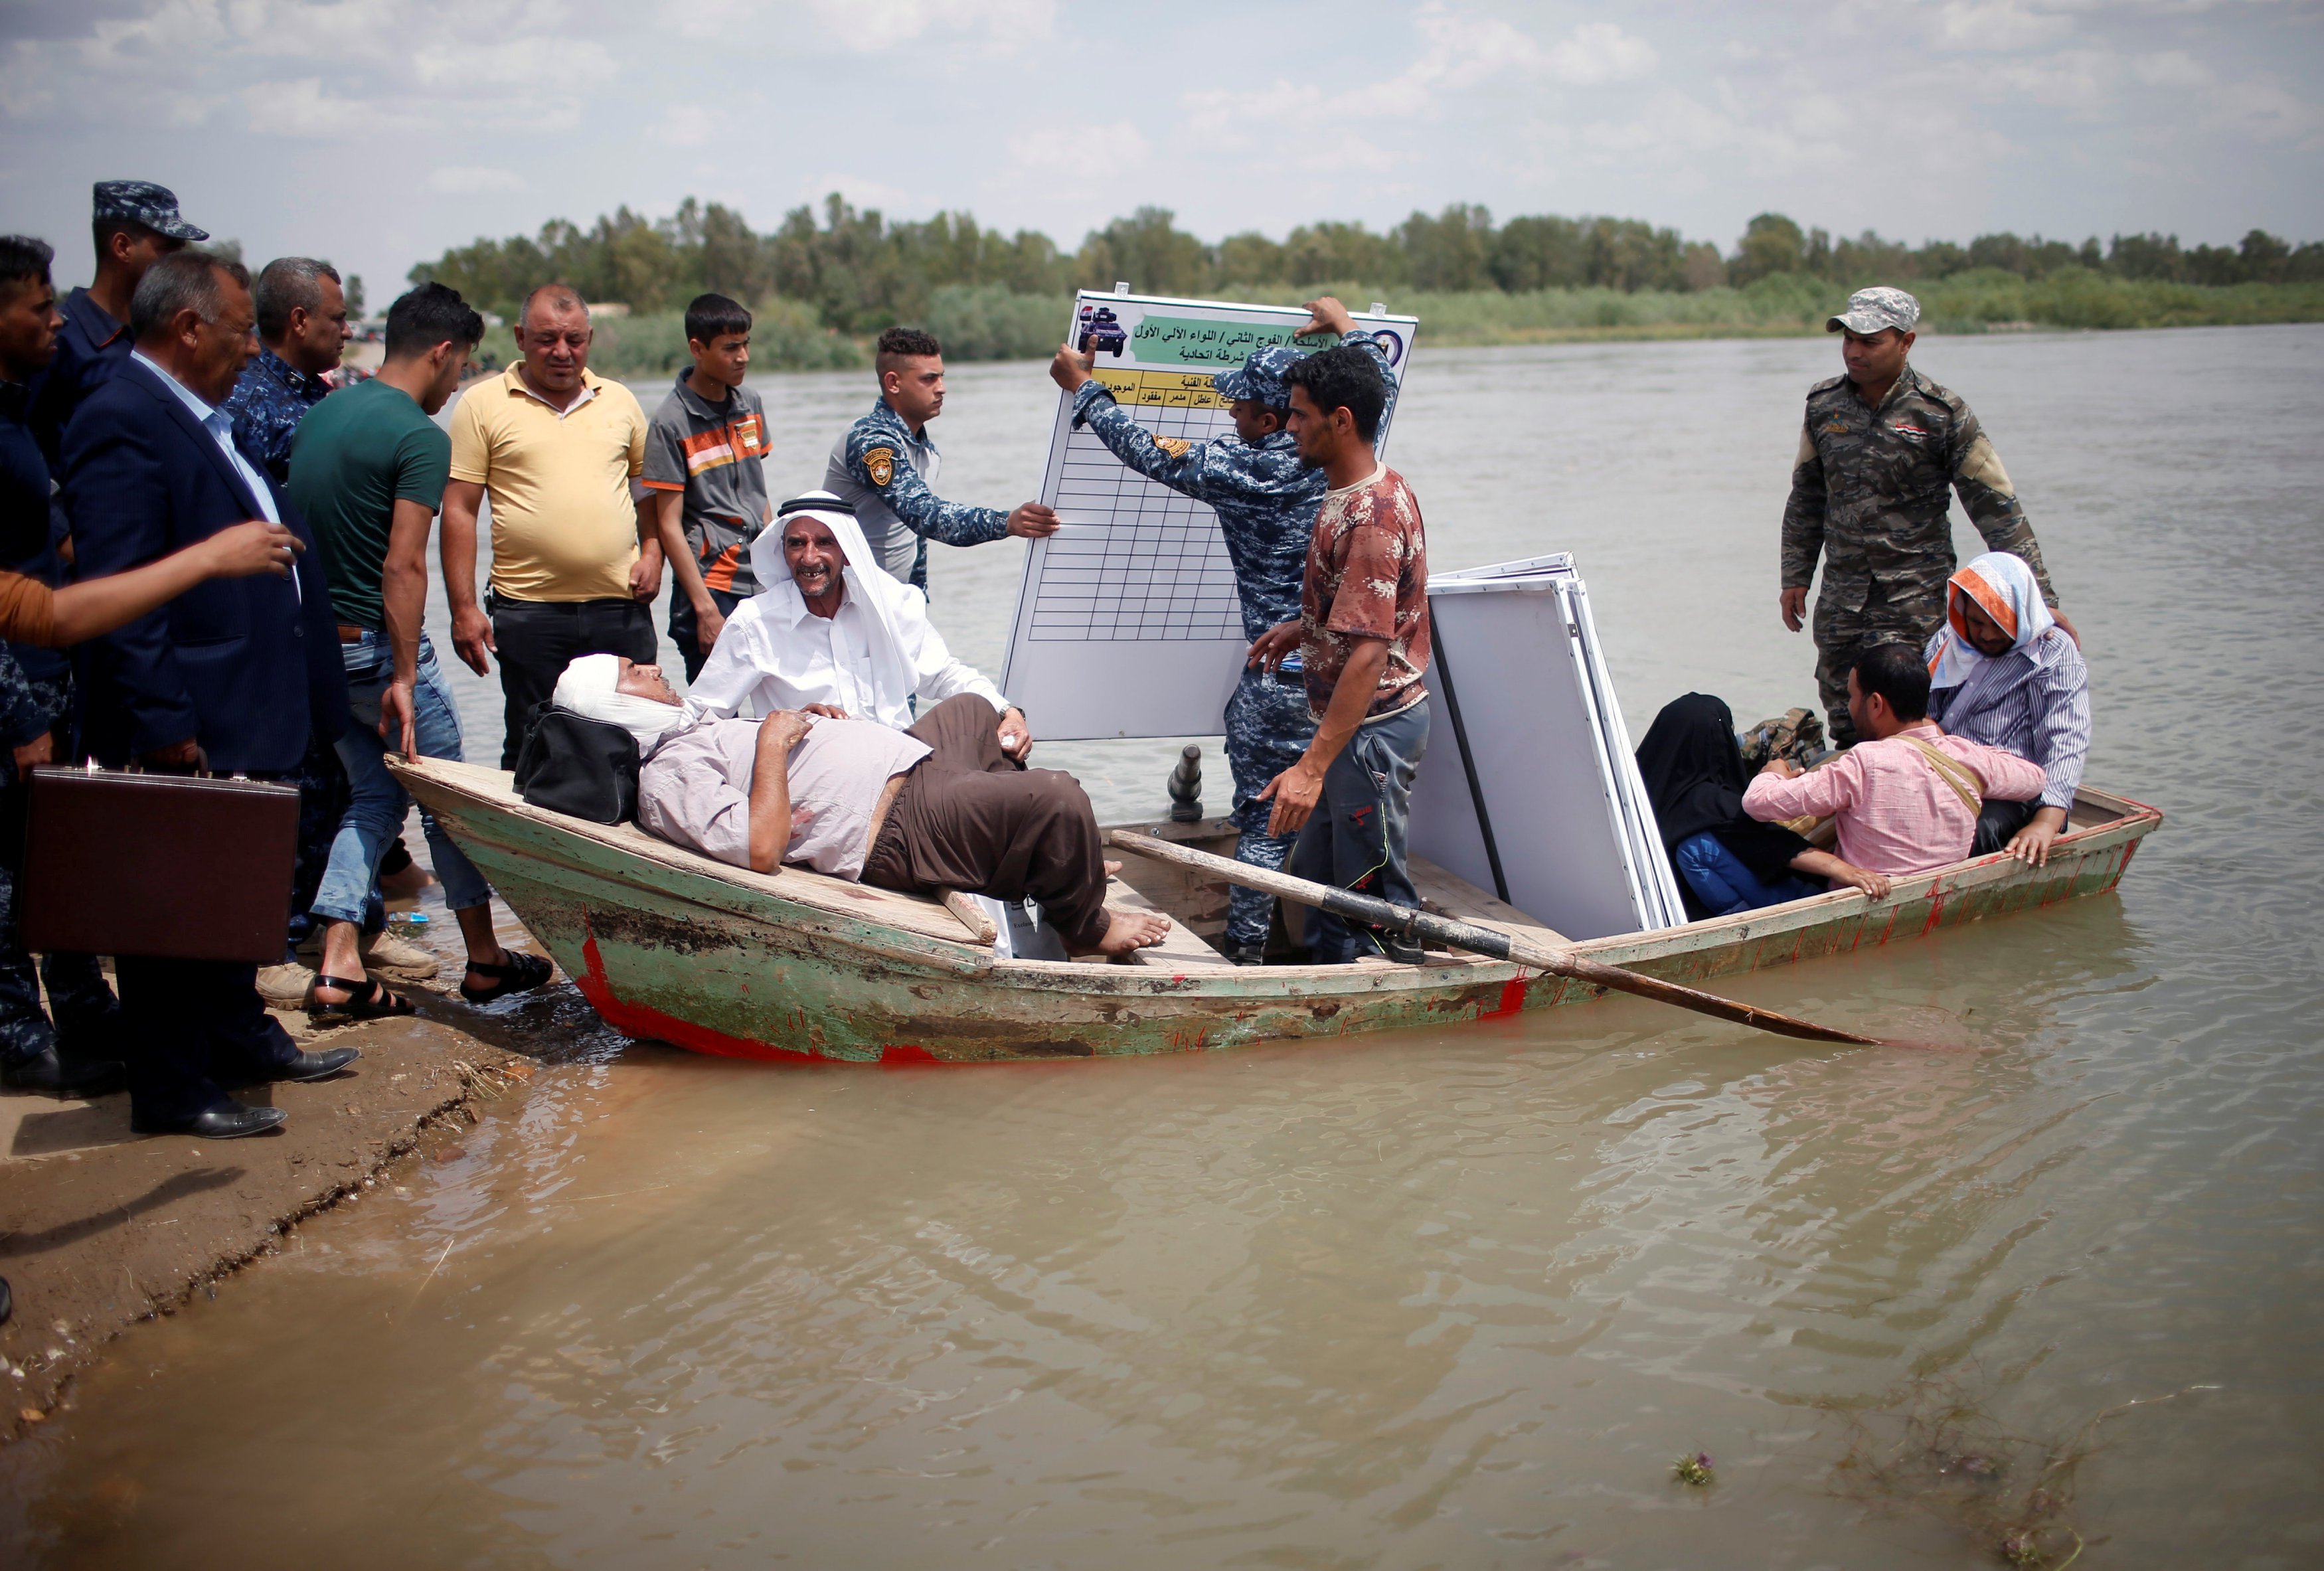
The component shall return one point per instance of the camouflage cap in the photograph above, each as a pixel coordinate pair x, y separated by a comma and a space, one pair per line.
1260, 376
143, 202
1871, 310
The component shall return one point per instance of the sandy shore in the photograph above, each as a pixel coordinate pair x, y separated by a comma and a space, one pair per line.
101, 1228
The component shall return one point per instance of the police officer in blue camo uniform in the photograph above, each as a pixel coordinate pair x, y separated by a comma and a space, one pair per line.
885, 467
136, 223
1266, 501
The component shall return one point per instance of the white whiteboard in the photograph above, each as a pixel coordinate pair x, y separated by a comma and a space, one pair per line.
1126, 621
1529, 788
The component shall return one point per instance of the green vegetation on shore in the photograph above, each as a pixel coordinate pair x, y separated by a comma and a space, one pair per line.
823, 286
987, 322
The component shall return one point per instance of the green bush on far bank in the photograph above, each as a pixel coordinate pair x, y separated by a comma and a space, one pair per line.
785, 336
1977, 302
991, 322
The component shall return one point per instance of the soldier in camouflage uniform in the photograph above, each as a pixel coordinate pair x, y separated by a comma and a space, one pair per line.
1879, 448
885, 464
1266, 501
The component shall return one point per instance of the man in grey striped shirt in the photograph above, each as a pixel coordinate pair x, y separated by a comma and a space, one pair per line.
2002, 673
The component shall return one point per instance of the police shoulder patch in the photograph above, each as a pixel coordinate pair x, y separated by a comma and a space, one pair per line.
880, 463
1177, 446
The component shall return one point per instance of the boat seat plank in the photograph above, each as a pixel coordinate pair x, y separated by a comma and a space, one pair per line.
925, 915
1447, 893
1182, 950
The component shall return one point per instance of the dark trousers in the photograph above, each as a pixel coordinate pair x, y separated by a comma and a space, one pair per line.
1998, 822
968, 819
1356, 836
538, 639
682, 626
192, 1027
1268, 730
87, 1019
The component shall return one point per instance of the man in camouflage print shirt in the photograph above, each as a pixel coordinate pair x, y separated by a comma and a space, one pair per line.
1879, 448
1266, 497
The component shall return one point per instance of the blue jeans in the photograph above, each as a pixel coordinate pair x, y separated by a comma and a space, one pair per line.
377, 804
1356, 836
1726, 884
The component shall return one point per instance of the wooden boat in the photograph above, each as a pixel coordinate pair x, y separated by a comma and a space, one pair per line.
792, 964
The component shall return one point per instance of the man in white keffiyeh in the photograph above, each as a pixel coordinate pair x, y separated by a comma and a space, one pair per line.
832, 634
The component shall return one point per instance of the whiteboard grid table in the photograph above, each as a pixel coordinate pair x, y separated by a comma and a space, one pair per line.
1142, 562
1126, 621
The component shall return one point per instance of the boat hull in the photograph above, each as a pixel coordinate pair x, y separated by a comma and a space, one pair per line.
676, 954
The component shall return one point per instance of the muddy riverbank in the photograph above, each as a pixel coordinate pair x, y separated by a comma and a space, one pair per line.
101, 1228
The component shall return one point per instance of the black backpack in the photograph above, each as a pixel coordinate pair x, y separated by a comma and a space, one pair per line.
584, 768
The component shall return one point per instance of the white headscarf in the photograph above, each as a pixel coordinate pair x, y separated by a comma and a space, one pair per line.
887, 607
591, 689
2005, 589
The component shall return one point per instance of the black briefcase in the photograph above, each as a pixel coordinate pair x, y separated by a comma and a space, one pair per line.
177, 866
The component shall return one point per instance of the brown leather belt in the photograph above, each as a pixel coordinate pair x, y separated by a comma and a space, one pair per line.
349, 633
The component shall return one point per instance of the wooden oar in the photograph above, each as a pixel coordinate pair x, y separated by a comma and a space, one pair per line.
1416, 925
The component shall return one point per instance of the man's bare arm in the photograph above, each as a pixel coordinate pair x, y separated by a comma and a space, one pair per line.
95, 606
645, 573
1296, 791
1823, 864
403, 595
770, 788
669, 512
472, 630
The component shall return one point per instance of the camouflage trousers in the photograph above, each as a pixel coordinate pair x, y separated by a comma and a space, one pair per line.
1268, 730
86, 1012
1842, 630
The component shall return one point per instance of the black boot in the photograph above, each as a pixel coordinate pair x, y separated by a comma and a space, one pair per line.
51, 1075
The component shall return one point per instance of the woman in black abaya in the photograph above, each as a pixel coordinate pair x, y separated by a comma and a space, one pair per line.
1726, 860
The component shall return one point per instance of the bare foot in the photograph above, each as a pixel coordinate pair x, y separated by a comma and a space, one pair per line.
1128, 931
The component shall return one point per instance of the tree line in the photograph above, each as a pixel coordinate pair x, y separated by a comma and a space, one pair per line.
857, 273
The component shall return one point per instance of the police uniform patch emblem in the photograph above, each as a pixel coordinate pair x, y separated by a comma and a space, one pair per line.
1177, 446
880, 463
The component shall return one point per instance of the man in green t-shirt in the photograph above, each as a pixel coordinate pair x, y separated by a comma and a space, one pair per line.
368, 471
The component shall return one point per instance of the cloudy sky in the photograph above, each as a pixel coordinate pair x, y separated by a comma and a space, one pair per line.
377, 132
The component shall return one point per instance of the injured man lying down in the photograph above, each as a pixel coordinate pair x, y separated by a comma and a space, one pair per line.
939, 805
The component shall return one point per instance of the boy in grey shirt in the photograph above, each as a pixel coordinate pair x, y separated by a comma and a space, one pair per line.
705, 456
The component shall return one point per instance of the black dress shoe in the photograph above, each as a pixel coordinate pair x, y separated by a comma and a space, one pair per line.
52, 1076
320, 1066
231, 1122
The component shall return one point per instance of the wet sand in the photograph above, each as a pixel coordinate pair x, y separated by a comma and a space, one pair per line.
101, 1228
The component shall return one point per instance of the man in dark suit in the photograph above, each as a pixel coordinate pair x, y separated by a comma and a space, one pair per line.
233, 676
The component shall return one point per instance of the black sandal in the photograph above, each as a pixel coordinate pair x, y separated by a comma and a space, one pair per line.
523, 973
372, 1001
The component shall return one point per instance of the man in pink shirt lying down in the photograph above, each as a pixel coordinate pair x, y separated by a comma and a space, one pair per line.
1908, 796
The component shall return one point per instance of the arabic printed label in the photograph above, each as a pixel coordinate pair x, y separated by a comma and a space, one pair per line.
1192, 341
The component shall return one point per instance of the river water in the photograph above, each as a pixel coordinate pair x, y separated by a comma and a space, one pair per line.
1427, 1299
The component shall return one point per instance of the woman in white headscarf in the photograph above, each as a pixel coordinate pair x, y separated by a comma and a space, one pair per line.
2003, 671
831, 633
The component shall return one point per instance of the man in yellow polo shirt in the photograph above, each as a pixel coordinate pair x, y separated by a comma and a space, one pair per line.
576, 561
